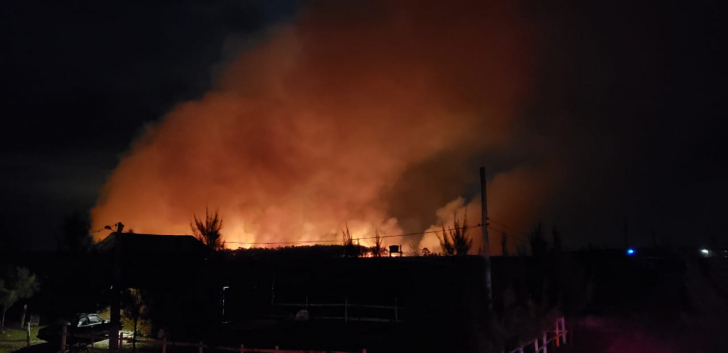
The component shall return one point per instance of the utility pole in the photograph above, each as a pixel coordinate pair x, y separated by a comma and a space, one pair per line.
115, 313
485, 247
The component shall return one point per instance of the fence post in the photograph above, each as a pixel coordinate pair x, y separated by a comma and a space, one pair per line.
563, 328
242, 348
535, 345
164, 344
28, 335
544, 345
200, 348
63, 337
307, 302
520, 348
558, 332
346, 310
121, 340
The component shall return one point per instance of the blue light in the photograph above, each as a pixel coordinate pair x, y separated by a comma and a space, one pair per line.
630, 251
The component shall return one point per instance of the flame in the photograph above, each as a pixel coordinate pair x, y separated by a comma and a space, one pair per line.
313, 127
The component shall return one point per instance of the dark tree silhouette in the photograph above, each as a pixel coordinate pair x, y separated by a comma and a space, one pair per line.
539, 245
208, 230
16, 283
455, 241
135, 308
521, 250
446, 243
378, 249
556, 234
504, 244
350, 249
75, 235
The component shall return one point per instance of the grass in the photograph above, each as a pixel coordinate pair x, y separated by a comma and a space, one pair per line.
14, 339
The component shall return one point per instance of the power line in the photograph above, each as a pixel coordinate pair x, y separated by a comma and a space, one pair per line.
284, 242
338, 240
498, 223
419, 233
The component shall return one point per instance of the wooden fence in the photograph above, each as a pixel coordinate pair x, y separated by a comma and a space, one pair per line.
200, 346
346, 305
559, 337
539, 344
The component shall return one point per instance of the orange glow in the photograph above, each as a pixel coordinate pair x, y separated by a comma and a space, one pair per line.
312, 127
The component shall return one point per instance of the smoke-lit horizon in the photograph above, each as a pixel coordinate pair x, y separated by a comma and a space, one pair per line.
292, 118
314, 126
378, 114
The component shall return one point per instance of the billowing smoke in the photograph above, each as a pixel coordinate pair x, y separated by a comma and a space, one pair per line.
319, 124
515, 200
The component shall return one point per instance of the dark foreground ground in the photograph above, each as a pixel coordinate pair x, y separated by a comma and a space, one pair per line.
638, 305
700, 327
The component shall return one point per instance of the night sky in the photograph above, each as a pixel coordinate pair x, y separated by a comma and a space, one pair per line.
627, 98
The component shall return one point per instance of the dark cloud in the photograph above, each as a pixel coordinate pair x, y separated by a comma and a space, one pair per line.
624, 121
627, 108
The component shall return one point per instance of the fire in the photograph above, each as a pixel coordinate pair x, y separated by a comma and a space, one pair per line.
316, 126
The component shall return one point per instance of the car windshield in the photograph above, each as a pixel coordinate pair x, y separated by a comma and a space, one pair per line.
83, 321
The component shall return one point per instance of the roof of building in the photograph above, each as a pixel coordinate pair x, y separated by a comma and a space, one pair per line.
152, 243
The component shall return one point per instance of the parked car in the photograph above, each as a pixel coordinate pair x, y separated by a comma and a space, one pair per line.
84, 324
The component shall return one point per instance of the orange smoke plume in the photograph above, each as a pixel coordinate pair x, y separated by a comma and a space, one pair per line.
515, 199
314, 126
